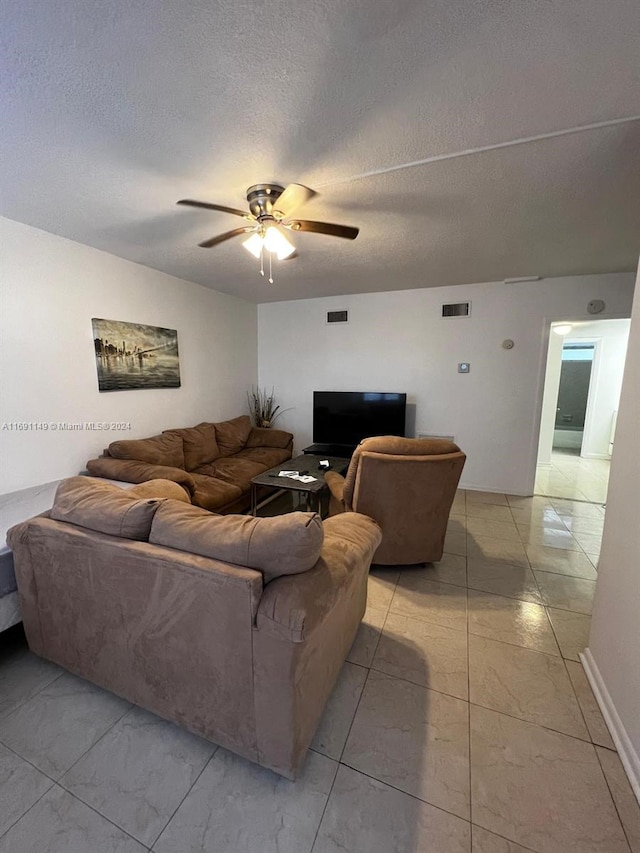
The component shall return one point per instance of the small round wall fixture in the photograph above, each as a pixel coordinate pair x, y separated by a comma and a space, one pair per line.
508, 344
596, 306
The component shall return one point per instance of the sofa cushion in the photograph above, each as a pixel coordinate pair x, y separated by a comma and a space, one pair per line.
232, 435
165, 449
282, 545
133, 471
261, 437
160, 489
199, 444
267, 456
104, 507
213, 494
233, 469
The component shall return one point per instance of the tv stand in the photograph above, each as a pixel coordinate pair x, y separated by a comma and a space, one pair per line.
345, 451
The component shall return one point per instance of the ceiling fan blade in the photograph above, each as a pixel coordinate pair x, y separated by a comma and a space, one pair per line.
330, 228
213, 241
293, 197
204, 204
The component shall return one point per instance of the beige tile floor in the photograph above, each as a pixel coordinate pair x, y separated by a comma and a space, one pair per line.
462, 722
571, 476
487, 638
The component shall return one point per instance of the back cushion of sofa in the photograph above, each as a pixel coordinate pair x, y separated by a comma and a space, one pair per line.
160, 489
199, 444
104, 507
232, 435
282, 545
162, 449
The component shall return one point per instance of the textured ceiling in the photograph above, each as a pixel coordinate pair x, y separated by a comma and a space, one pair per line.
113, 111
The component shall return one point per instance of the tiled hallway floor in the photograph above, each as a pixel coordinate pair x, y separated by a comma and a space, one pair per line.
462, 723
571, 476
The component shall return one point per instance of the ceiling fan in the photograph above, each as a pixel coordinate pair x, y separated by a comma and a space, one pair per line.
268, 220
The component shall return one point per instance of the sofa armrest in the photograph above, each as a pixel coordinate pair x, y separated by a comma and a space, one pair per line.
260, 437
132, 471
292, 606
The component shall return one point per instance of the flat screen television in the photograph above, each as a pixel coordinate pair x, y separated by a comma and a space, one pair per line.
346, 417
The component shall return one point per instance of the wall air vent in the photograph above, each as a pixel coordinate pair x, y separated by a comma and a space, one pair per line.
337, 316
456, 309
436, 435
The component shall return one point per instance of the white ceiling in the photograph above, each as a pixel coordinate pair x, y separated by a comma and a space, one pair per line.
113, 111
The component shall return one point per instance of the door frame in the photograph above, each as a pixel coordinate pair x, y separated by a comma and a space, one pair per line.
545, 332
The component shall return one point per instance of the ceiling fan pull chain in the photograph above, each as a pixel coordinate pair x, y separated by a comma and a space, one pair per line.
270, 274
261, 260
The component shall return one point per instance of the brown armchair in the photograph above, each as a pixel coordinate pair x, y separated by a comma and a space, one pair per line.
407, 485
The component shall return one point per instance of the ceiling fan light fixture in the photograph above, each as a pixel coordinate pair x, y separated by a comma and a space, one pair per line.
277, 243
273, 240
270, 209
253, 244
562, 329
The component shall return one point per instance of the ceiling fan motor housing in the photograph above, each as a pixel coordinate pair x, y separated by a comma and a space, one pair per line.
261, 198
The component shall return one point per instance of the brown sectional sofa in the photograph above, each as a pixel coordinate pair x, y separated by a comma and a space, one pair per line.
213, 462
239, 638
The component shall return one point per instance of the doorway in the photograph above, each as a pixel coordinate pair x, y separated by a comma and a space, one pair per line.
573, 394
583, 379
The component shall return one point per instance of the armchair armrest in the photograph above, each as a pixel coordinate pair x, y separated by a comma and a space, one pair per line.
335, 482
293, 606
133, 471
260, 437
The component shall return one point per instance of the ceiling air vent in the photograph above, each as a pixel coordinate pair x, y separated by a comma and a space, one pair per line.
456, 309
337, 316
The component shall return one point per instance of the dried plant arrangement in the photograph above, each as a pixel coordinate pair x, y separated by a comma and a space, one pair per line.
263, 408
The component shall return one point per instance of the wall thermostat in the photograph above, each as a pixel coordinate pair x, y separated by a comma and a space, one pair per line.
508, 344
464, 367
596, 306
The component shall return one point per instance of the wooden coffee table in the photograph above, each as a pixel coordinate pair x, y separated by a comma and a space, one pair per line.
312, 491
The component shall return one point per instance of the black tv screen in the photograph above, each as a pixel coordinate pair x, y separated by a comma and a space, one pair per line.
346, 417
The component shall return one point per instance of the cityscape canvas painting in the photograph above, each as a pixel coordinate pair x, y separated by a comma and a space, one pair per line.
132, 356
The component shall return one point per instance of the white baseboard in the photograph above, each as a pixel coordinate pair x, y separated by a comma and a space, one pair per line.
606, 456
629, 757
471, 487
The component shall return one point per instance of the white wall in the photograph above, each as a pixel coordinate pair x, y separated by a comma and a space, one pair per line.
550, 398
398, 341
50, 289
611, 338
613, 657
